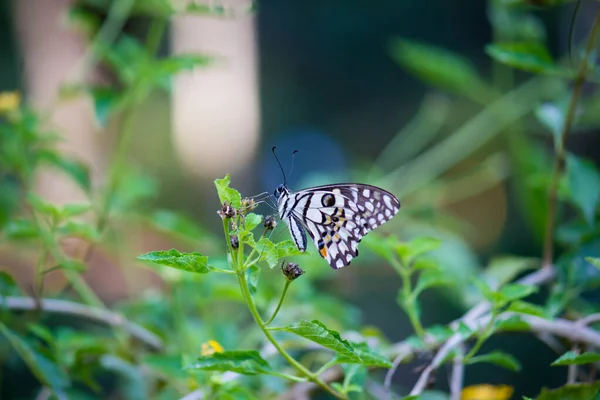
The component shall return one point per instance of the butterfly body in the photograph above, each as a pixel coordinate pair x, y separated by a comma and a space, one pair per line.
336, 217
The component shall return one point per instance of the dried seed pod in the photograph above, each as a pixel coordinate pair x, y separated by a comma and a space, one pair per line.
248, 204
291, 271
235, 242
227, 211
269, 222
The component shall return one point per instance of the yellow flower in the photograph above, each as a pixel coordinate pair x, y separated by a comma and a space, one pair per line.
9, 101
211, 347
486, 392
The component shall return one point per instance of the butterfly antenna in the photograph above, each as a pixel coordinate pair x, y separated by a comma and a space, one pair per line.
280, 167
292, 167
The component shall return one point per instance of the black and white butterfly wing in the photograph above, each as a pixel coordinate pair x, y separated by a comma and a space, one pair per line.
338, 216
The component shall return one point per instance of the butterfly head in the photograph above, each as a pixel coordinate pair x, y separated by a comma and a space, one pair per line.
281, 189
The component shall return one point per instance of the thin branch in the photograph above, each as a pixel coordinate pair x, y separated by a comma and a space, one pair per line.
387, 383
458, 372
572, 369
106, 317
404, 349
560, 327
590, 319
559, 159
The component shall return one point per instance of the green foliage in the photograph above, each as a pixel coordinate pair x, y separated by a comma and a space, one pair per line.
320, 334
44, 369
573, 358
439, 67
499, 358
191, 262
227, 194
531, 57
581, 391
247, 362
584, 186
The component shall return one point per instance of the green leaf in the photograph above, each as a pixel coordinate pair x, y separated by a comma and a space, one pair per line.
69, 264
246, 362
8, 286
499, 358
440, 67
382, 246
132, 382
79, 229
578, 391
595, 261
464, 330
428, 279
584, 186
84, 19
553, 117
515, 291
178, 224
251, 221
227, 194
73, 210
485, 290
368, 357
182, 62
268, 250
127, 57
409, 251
169, 366
531, 57
106, 102
75, 169
287, 248
439, 333
45, 370
42, 206
21, 228
252, 276
572, 358
273, 252
191, 262
524, 307
505, 269
317, 332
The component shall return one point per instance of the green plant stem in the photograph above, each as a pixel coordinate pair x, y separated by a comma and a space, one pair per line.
560, 156
326, 366
285, 288
155, 33
79, 284
481, 338
254, 311
408, 299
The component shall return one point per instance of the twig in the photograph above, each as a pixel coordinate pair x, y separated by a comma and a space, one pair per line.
404, 349
559, 327
458, 372
559, 159
590, 319
387, 383
572, 369
107, 317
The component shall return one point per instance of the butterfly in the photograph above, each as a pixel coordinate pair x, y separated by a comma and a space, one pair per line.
336, 216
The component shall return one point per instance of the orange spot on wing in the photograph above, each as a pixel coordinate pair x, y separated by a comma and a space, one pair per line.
323, 252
